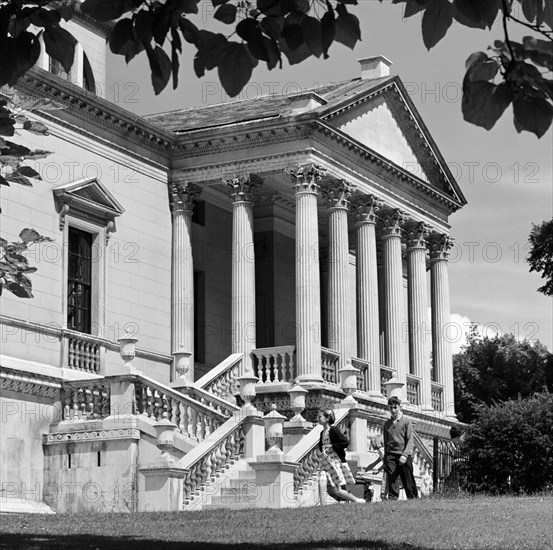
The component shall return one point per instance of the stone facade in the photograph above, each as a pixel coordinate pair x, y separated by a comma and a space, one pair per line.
317, 259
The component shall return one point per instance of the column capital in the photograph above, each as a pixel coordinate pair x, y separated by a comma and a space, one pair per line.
391, 221
364, 207
439, 245
306, 177
242, 188
336, 193
182, 195
416, 234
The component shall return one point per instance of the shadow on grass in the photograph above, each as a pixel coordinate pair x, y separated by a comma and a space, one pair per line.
95, 542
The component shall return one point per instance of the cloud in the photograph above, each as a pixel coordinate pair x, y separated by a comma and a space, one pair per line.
460, 327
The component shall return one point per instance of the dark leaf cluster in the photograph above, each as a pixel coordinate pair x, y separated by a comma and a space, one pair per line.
14, 266
509, 446
540, 257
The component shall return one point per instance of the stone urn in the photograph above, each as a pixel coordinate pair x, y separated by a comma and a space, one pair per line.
394, 388
165, 438
274, 422
348, 381
297, 402
181, 361
247, 389
127, 349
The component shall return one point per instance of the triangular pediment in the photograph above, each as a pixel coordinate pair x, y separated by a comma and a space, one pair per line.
385, 121
89, 199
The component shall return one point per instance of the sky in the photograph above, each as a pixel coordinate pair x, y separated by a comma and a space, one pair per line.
506, 177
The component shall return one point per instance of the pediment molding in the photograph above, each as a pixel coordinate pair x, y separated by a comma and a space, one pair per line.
412, 128
89, 199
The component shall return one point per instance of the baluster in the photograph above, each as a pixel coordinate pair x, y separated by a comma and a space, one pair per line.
191, 422
207, 470
88, 410
187, 488
228, 451
198, 475
149, 402
105, 401
219, 458
185, 420
200, 425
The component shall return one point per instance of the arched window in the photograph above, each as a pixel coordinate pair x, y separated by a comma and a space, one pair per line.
88, 76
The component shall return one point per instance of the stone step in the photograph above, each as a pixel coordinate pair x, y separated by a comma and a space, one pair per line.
231, 501
238, 491
242, 483
234, 506
9, 505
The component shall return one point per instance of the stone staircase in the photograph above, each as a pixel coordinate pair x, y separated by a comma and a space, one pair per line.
241, 492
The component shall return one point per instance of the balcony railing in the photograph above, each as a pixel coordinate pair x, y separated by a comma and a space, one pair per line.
437, 396
363, 374
274, 365
83, 353
329, 365
413, 389
385, 374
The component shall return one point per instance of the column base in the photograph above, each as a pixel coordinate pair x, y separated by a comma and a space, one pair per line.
307, 378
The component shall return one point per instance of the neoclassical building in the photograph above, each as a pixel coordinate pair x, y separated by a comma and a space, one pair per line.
289, 244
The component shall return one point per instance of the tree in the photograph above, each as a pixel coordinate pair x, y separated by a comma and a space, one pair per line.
297, 29
540, 257
491, 370
509, 447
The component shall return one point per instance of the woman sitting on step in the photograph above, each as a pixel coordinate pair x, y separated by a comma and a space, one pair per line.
333, 444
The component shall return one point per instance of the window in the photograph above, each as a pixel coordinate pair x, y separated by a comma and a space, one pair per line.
56, 68
88, 77
79, 280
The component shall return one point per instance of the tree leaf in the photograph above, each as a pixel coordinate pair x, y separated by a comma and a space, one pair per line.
413, 7
160, 65
294, 56
108, 10
483, 102
529, 9
124, 41
226, 13
482, 68
211, 48
18, 56
348, 31
293, 36
476, 13
19, 290
175, 66
189, 31
29, 172
437, 18
16, 177
235, 68
312, 33
328, 31
533, 114
60, 44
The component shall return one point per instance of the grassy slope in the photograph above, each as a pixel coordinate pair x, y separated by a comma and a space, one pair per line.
501, 523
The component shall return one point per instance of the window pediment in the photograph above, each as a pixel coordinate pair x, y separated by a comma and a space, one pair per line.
87, 199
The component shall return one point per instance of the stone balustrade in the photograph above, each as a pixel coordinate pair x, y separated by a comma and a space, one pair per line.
437, 396
329, 365
157, 401
276, 364
223, 379
219, 404
85, 400
207, 461
363, 374
83, 352
413, 390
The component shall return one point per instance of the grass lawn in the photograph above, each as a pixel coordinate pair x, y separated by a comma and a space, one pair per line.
505, 523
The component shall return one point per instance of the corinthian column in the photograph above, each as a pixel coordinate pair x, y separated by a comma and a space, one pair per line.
336, 194
364, 208
308, 285
181, 200
439, 245
243, 266
419, 351
395, 345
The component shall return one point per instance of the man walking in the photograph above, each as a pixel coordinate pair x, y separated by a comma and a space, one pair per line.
398, 447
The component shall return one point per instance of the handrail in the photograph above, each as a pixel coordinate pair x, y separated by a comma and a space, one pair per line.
215, 402
209, 458
221, 379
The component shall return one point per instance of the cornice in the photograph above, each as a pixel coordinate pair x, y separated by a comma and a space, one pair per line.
29, 383
334, 135
97, 111
208, 144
